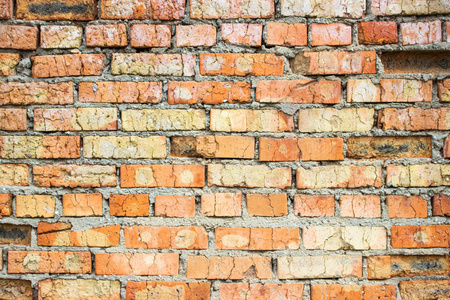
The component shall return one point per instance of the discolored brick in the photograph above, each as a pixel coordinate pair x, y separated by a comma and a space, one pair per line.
70, 10
175, 206
377, 32
314, 205
110, 35
62, 37
8, 63
221, 205
285, 34
120, 92
195, 35
267, 205
133, 205
11, 234
82, 205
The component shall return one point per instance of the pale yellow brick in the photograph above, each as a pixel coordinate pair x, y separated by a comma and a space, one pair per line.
418, 175
163, 119
333, 120
35, 206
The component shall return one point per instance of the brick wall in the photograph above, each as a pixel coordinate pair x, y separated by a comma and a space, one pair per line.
224, 149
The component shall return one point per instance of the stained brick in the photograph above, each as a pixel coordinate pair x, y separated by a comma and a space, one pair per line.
67, 65
123, 9
32, 93
407, 207
444, 85
15, 289
112, 35
414, 119
409, 7
175, 206
333, 120
6, 201
221, 205
40, 147
418, 175
424, 289
421, 33
6, 10
166, 9
120, 92
49, 262
70, 10
423, 236
134, 205
62, 37
8, 63
314, 205
11, 234
195, 35
13, 119
136, 264
377, 32
333, 34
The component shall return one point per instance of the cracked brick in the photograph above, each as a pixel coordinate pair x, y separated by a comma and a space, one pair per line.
148, 264
421, 33
6, 10
195, 35
335, 120
44, 147
15, 289
14, 174
110, 35
146, 36
6, 208
444, 86
333, 34
424, 289
132, 205
67, 65
268, 291
35, 93
175, 206
377, 32
423, 175
414, 119
35, 206
82, 205
323, 8
267, 205
183, 291
409, 7
18, 37
123, 9
423, 236
242, 34
120, 92
406, 207
441, 205
166, 9
8, 63
13, 119
221, 205
314, 205
163, 119
77, 289
286, 34
362, 292
360, 206
232, 9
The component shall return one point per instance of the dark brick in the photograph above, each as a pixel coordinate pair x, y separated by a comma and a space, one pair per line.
71, 10
15, 234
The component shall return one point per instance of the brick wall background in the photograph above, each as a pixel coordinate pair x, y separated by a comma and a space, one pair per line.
224, 149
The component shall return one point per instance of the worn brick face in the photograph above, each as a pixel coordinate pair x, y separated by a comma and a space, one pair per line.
18, 37
14, 174
232, 9
6, 208
424, 289
184, 291
441, 205
242, 34
74, 176
35, 206
82, 205
132, 205
6, 9
221, 205
70, 10
89, 289
377, 32
360, 206
285, 34
409, 7
106, 35
333, 34
62, 37
145, 36
314, 206
163, 119
176, 206
49, 262
136, 264
15, 289
32, 93
120, 92
8, 63
240, 291
421, 32
195, 35
267, 205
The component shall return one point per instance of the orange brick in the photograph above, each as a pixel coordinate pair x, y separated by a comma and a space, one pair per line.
166, 9
12, 119
111, 35
8, 63
414, 119
333, 34
424, 236
377, 32
441, 205
14, 174
5, 205
184, 291
18, 37
267, 205
148, 264
407, 207
146, 36
6, 10
175, 206
360, 206
136, 205
208, 92
40, 147
447, 147
82, 205
162, 176
49, 262
32, 93
235, 9
298, 91
165, 237
242, 34
227, 267
70, 10
304, 149
221, 205
284, 34
314, 205
421, 33
268, 291
67, 65
195, 35
241, 64
46, 227
120, 92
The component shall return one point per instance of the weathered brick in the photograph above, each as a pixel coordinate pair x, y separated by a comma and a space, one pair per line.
267, 205
334, 120
339, 63
406, 207
195, 35
110, 35
146, 36
6, 209
208, 92
227, 267
62, 37
285, 34
15, 234
327, 266
120, 92
314, 205
213, 146
6, 11
298, 91
32, 93
49, 262
151, 64
14, 174
333, 34
339, 176
177, 206
40, 147
124, 147
409, 7
384, 267
166, 237
424, 289
323, 8
163, 119
414, 119
60, 234
70, 10
15, 289
360, 206
423, 236
421, 33
444, 85
248, 176
74, 176
13, 119
232, 9
123, 9
389, 147
166, 9
441, 205
147, 264
162, 176
8, 63
407, 62
363, 90
304, 149
241, 64
418, 175
77, 289
76, 119
241, 120
35, 206
82, 205
405, 90
134, 205
377, 32
268, 291
259, 239
67, 65
18, 37
221, 205
242, 34
354, 292
166, 290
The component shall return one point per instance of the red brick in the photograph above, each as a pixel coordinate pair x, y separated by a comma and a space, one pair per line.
242, 34
112, 35
360, 206
40, 147
166, 290
195, 35
377, 32
70, 10
120, 92
333, 34
441, 205
314, 205
221, 205
146, 36
136, 205
14, 174
175, 206
11, 234
15, 289
304, 149
407, 207
214, 9
13, 119
423, 236
49, 262
241, 64
35, 93
424, 289
166, 9
5, 205
339, 63
147, 264
414, 119
82, 205
447, 147
6, 9
267, 205
61, 37
18, 37
8, 63
67, 65
284, 34
421, 33
123, 9
77, 289
268, 291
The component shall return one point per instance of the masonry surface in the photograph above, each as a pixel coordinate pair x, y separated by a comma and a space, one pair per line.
224, 149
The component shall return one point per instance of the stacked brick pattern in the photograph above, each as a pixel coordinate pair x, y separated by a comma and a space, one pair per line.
224, 149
